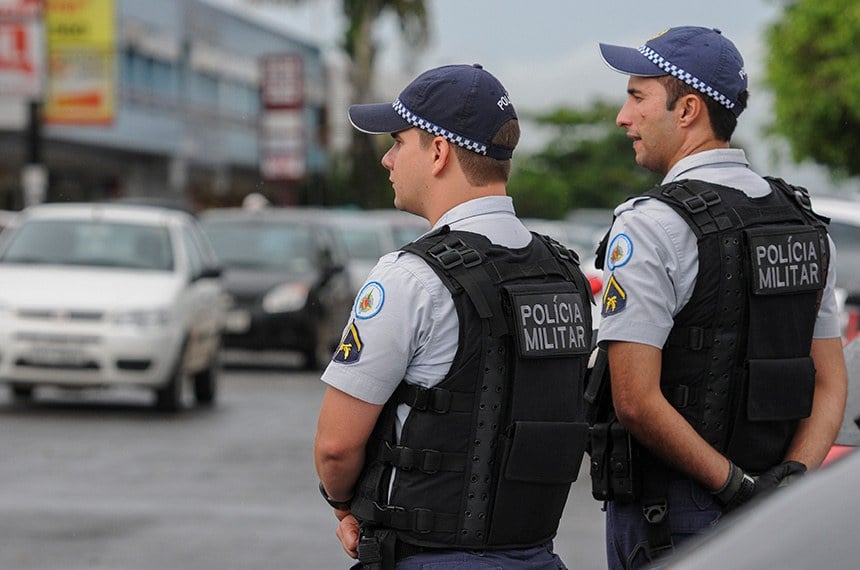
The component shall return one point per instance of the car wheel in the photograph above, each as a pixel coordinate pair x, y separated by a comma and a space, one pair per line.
168, 398
22, 393
206, 381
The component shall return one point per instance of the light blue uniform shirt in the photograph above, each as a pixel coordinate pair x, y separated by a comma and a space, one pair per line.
414, 334
659, 271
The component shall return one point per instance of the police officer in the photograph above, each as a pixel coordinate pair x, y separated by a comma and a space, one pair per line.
451, 426
718, 308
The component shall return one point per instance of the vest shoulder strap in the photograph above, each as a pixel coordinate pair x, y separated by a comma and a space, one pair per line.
799, 195
699, 203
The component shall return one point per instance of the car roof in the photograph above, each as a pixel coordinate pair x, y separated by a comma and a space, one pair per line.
849, 432
841, 209
113, 211
299, 214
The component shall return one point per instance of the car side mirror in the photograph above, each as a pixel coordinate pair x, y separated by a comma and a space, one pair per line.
330, 270
210, 272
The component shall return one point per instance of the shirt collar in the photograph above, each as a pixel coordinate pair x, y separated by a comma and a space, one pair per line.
720, 157
477, 207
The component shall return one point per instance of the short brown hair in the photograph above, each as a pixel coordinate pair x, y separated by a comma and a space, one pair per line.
482, 170
723, 121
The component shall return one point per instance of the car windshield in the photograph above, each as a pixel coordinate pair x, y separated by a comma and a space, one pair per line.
90, 243
266, 246
407, 234
847, 240
362, 242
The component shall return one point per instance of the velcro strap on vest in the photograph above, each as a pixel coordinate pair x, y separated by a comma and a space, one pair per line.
416, 520
424, 460
436, 400
680, 396
452, 255
704, 207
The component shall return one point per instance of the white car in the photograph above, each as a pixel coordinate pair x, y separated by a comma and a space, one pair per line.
844, 228
101, 295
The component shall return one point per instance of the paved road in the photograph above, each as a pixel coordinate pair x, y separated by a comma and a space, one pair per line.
105, 482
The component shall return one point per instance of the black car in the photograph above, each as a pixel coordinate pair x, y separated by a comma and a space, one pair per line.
286, 270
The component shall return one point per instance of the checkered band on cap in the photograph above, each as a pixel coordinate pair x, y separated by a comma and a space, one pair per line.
686, 77
430, 127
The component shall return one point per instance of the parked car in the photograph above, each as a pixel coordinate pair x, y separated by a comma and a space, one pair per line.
368, 235
101, 295
286, 269
844, 228
405, 227
6, 218
848, 438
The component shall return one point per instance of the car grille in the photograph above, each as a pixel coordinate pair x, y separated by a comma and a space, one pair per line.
57, 339
60, 315
82, 365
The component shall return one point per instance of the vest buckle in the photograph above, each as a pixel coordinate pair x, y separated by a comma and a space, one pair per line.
700, 202
459, 253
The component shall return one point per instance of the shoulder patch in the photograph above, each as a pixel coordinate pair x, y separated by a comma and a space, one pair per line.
619, 252
614, 298
369, 301
350, 348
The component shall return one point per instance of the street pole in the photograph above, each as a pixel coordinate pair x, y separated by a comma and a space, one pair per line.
34, 175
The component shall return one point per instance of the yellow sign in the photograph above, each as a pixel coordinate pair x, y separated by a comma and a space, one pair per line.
81, 61
80, 23
81, 89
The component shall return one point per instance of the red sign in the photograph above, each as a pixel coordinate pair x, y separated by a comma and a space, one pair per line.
20, 58
15, 54
20, 8
282, 83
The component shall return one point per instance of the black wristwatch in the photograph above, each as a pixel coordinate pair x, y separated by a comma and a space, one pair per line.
339, 505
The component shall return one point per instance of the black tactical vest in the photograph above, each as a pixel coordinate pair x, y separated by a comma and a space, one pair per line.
486, 458
737, 362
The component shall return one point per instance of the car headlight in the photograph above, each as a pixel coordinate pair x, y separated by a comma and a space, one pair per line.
287, 297
142, 318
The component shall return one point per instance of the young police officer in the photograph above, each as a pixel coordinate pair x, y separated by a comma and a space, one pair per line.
718, 308
451, 427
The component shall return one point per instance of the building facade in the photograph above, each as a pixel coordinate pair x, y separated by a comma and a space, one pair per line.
188, 123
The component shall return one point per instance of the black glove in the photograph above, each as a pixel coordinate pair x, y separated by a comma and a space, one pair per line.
778, 476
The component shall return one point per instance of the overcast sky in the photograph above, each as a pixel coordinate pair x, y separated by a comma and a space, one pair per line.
545, 51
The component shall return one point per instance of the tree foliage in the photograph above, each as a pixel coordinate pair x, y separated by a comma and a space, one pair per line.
587, 163
814, 70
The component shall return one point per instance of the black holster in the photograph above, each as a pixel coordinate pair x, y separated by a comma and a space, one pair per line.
615, 464
376, 548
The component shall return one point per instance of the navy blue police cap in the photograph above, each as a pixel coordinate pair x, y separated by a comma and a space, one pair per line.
463, 103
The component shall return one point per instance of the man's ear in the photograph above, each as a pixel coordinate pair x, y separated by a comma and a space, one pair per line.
690, 108
442, 154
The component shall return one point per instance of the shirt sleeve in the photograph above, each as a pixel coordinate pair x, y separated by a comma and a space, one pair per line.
394, 319
828, 323
649, 272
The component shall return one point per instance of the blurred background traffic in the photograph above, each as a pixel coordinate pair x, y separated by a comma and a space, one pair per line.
181, 194
179, 183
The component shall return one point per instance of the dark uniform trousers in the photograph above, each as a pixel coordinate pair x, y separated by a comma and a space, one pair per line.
535, 558
692, 510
